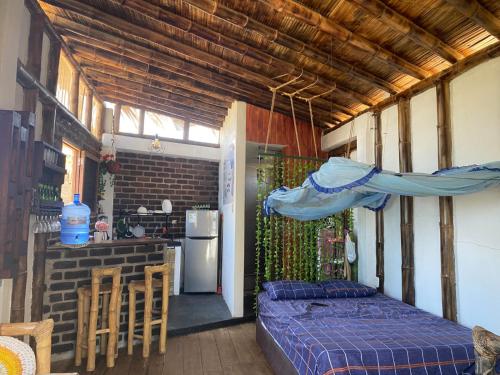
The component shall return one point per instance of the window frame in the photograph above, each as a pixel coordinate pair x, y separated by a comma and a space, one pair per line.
140, 134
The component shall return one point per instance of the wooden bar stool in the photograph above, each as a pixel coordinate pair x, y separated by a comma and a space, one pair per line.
88, 311
147, 287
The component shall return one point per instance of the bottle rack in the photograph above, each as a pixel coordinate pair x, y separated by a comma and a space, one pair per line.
48, 177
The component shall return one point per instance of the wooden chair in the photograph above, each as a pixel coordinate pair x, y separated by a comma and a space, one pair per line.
147, 287
88, 311
42, 332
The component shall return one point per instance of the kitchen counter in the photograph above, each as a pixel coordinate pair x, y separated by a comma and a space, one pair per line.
67, 268
118, 243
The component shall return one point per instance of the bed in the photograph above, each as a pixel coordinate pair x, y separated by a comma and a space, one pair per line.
368, 335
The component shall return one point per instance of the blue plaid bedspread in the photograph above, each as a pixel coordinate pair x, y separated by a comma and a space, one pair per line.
361, 336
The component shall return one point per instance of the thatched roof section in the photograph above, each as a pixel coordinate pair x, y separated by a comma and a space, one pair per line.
192, 57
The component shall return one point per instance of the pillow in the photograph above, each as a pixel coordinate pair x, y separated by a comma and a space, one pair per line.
346, 289
287, 289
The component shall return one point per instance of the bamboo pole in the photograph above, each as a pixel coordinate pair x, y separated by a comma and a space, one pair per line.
379, 215
453, 71
74, 92
187, 103
406, 206
473, 10
236, 45
177, 72
446, 225
133, 30
408, 28
88, 110
42, 332
326, 25
299, 49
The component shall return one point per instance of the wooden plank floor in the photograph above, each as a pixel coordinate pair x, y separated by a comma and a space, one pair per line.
224, 351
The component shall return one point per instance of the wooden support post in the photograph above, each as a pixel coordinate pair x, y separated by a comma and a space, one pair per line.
446, 226
99, 126
88, 109
74, 92
406, 207
38, 284
53, 65
379, 215
116, 118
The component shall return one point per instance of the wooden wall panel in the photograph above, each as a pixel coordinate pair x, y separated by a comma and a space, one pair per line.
282, 132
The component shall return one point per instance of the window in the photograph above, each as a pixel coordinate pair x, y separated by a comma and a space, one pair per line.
129, 120
70, 185
205, 134
133, 120
64, 80
81, 176
163, 126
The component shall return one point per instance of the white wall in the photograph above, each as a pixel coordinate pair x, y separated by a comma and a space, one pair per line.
426, 210
475, 119
233, 141
392, 214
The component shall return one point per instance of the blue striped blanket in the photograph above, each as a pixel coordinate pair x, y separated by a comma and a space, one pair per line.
364, 336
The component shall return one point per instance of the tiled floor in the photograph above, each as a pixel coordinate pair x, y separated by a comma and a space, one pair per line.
224, 351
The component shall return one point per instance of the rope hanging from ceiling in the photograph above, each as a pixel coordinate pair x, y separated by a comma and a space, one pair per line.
291, 96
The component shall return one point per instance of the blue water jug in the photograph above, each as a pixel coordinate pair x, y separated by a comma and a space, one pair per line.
75, 222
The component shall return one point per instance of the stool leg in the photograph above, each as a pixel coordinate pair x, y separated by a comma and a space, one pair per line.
148, 306
86, 316
118, 311
131, 320
113, 326
79, 331
164, 315
94, 311
105, 308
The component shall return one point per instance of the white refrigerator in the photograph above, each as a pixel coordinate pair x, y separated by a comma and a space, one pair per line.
200, 251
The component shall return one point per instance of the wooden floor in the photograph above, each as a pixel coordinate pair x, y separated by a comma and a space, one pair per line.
224, 351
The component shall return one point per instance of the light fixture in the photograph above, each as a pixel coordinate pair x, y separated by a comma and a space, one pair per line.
156, 145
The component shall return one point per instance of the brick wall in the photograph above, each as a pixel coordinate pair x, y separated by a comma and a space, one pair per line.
67, 269
145, 180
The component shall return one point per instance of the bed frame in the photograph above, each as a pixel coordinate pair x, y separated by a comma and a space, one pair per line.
486, 348
275, 356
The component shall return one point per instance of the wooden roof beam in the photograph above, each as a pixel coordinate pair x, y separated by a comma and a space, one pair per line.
152, 94
100, 66
473, 10
310, 17
136, 80
93, 14
93, 56
300, 49
158, 103
113, 56
164, 16
405, 26
113, 97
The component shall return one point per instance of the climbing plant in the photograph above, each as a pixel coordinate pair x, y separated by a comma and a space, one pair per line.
290, 249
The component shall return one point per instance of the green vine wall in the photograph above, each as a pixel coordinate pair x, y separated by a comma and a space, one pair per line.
290, 249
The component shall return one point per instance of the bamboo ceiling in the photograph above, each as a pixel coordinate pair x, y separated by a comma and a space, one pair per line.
191, 58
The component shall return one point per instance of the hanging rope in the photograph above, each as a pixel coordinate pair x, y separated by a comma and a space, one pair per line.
274, 90
295, 124
270, 119
309, 102
312, 127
